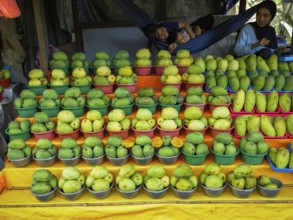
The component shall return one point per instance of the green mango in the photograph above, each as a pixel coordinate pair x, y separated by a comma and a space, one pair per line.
282, 157
269, 83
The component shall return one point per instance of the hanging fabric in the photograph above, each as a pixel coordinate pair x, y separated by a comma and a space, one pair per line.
206, 39
9, 9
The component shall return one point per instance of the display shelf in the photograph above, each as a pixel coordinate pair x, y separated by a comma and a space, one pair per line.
16, 200
12, 175
20, 204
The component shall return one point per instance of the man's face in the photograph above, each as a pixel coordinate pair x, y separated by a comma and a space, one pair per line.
162, 34
263, 17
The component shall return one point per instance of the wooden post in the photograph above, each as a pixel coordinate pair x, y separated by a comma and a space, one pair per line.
242, 6
41, 33
77, 28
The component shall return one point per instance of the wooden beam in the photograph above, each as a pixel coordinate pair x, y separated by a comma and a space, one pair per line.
42, 34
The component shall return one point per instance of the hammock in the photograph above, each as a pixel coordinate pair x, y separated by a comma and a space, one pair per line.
206, 39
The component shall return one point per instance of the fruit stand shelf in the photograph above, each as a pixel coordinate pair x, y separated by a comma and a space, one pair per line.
17, 201
20, 204
11, 175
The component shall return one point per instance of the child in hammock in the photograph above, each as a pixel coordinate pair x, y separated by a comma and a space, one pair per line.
198, 27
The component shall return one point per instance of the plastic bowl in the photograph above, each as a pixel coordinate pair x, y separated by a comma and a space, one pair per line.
38, 90
159, 70
129, 194
77, 111
224, 159
94, 161
5, 83
187, 85
21, 162
213, 192
172, 133
213, 106
177, 106
26, 112
177, 85
25, 135
46, 162
99, 133
118, 161
130, 87
168, 160
47, 134
156, 194
51, 112
251, 158
101, 194
143, 70
182, 69
60, 89
266, 192
215, 131
187, 130
74, 135
107, 89
149, 133
83, 88
201, 106
102, 109
126, 109
241, 193
46, 196
152, 108
142, 160
123, 134
194, 159
71, 161
72, 196
183, 194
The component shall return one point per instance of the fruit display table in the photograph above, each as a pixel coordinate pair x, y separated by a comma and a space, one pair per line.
17, 201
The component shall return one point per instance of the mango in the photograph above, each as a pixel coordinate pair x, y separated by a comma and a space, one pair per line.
240, 126
238, 101
266, 126
253, 123
282, 157
261, 101
272, 101
280, 126
285, 102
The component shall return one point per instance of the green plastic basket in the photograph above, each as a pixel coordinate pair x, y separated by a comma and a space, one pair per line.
152, 108
102, 109
223, 159
26, 112
83, 88
51, 112
177, 107
194, 159
251, 158
77, 111
38, 90
25, 135
126, 109
60, 89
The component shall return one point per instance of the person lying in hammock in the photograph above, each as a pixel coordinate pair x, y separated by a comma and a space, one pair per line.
161, 31
259, 37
